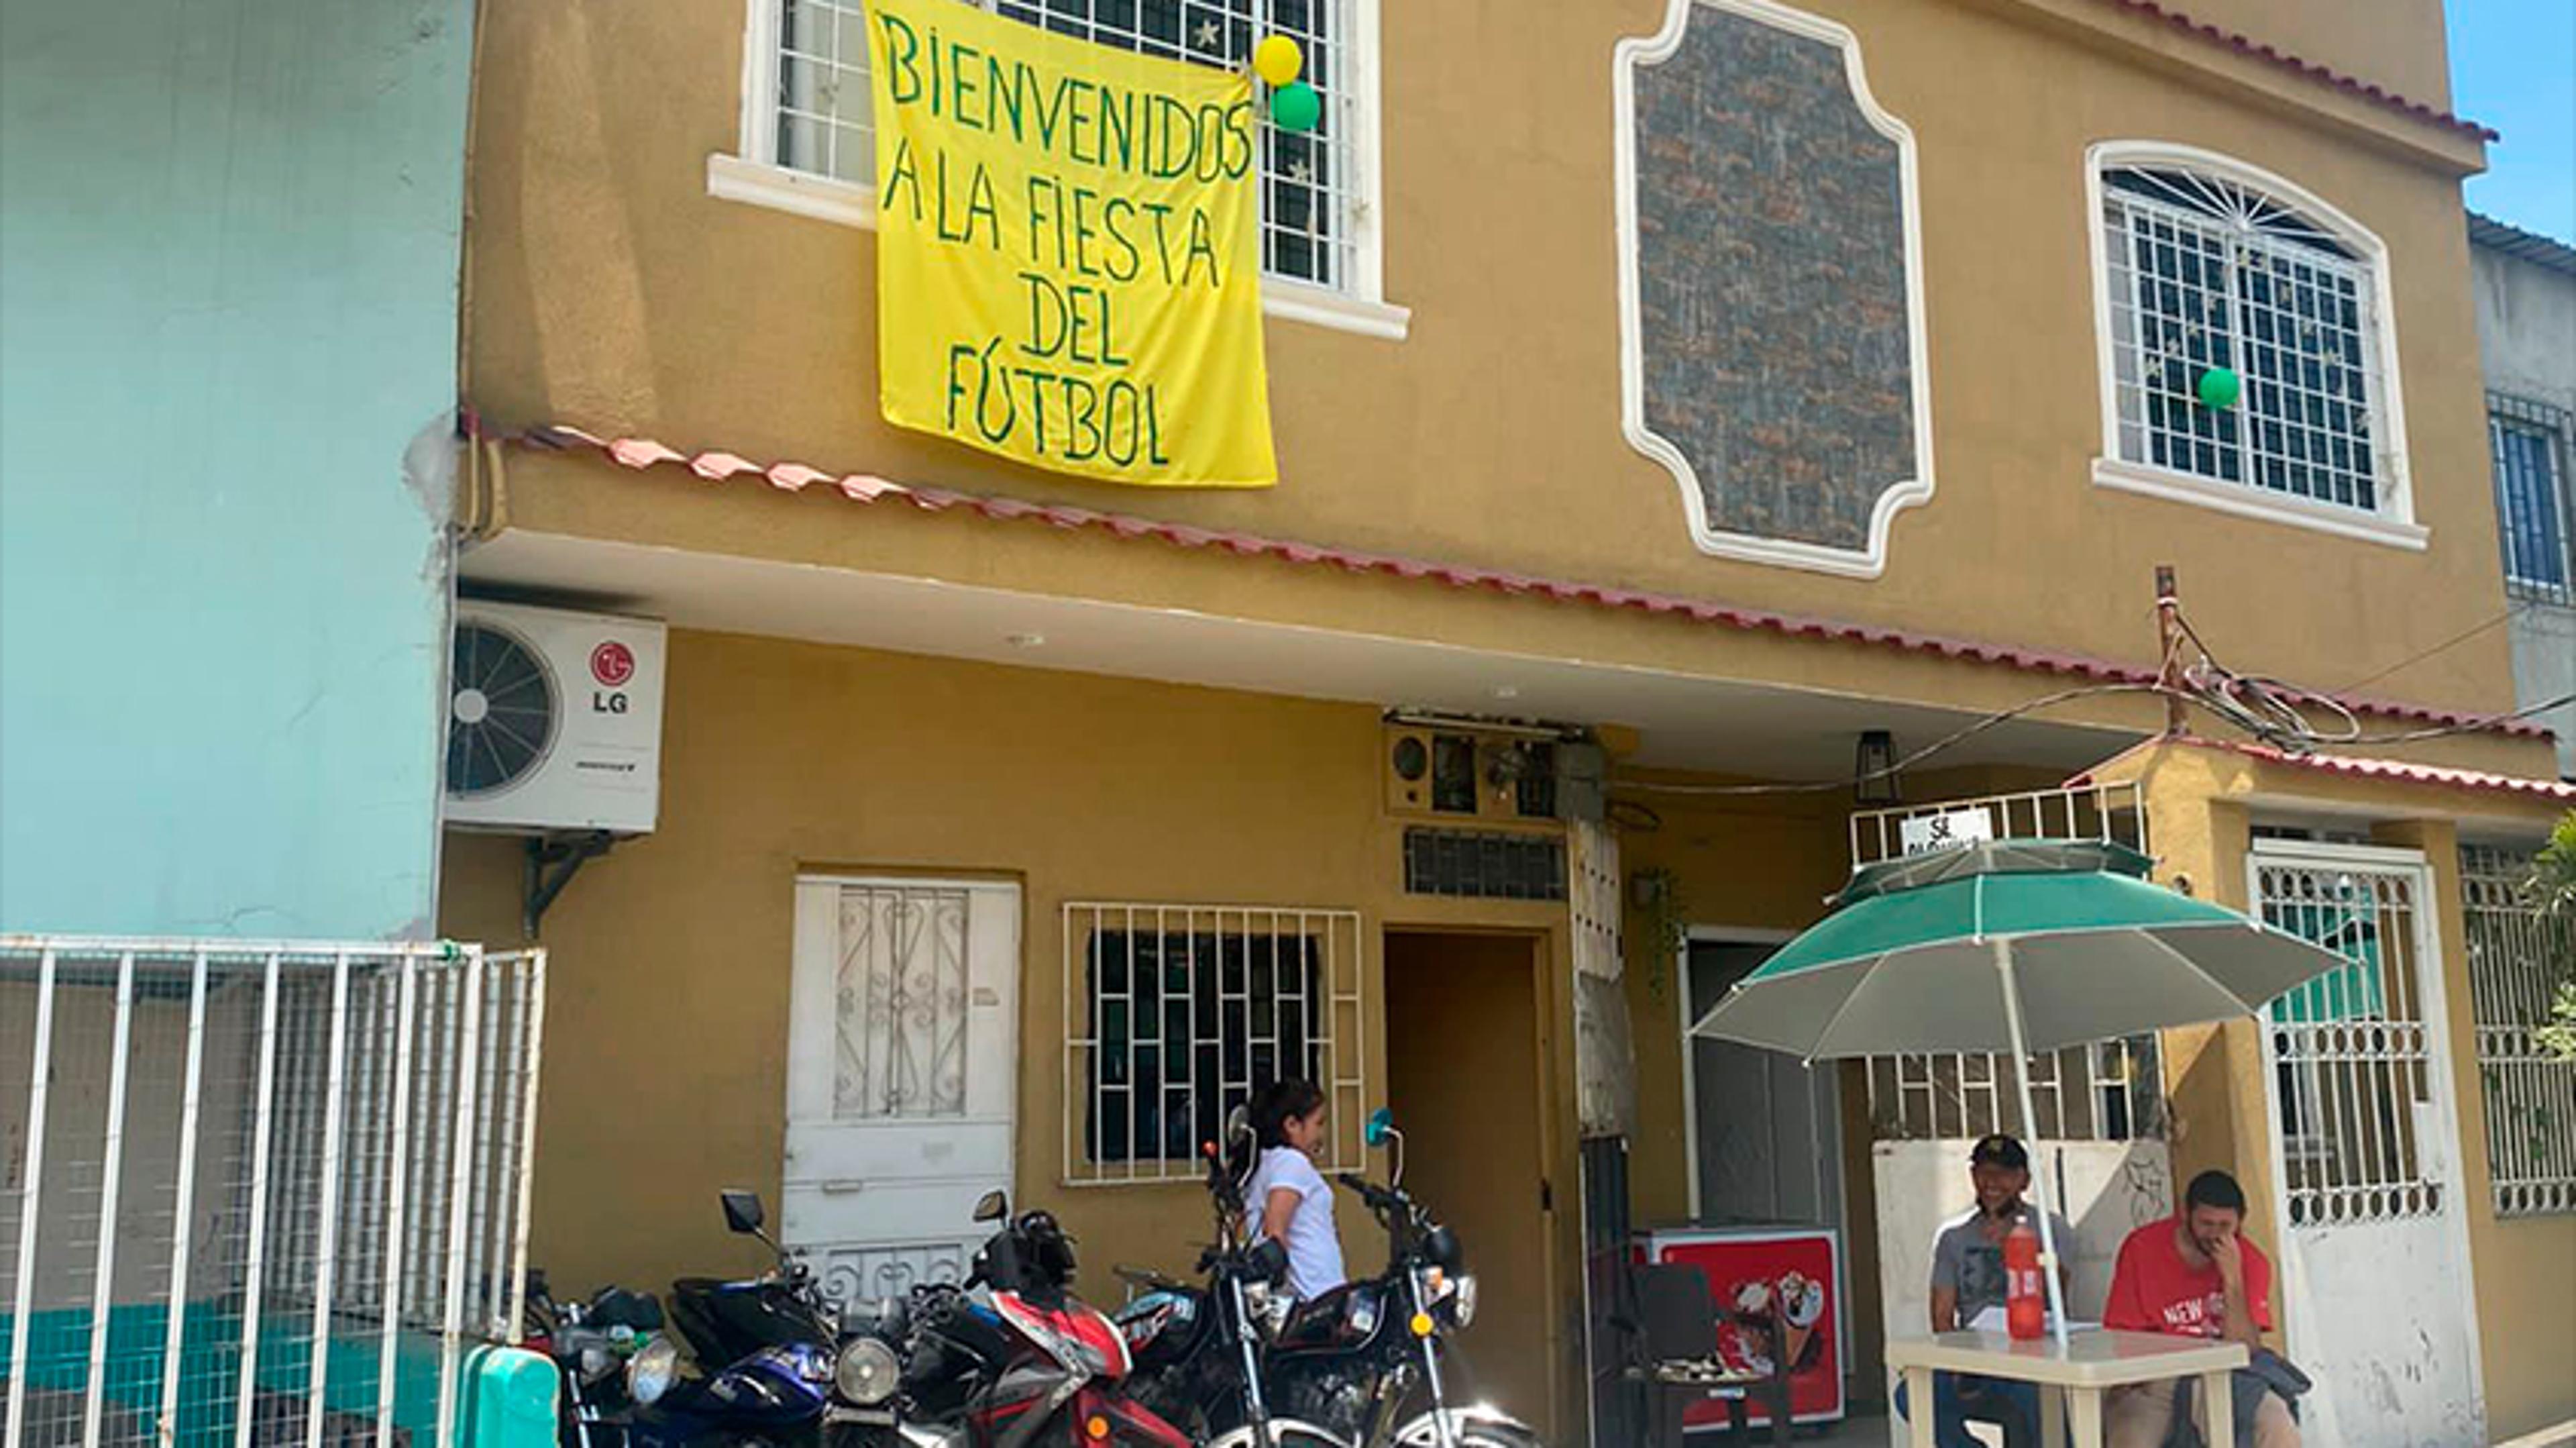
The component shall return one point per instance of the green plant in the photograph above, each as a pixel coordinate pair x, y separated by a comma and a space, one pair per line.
2552, 888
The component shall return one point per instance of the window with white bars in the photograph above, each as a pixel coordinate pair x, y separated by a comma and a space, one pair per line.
2205, 273
1176, 1014
2518, 959
2535, 513
808, 111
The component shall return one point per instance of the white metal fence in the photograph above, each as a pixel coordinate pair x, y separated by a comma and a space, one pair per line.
258, 1193
2517, 959
1174, 1014
2111, 1091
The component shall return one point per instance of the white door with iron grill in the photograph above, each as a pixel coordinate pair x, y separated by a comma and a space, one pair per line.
902, 1054
2375, 1269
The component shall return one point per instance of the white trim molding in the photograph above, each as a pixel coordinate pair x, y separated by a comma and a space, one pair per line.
2392, 523
751, 174
1629, 57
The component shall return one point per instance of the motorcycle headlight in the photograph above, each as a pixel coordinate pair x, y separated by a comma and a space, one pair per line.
1462, 1298
867, 1372
650, 1373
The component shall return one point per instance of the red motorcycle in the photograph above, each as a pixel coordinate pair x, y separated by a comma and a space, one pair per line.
1010, 1359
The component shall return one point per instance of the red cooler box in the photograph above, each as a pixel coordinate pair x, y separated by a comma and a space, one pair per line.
1750, 1269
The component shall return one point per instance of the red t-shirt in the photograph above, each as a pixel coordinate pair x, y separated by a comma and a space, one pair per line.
2154, 1290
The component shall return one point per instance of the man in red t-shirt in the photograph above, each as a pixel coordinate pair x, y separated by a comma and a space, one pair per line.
2192, 1275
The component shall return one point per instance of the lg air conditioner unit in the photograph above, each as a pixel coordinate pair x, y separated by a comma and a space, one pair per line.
554, 720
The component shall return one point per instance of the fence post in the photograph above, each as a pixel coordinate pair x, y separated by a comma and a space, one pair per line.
258, 1168
452, 1317
111, 1179
31, 1198
184, 1206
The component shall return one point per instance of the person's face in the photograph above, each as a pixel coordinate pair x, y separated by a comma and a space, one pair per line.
2212, 1227
1998, 1186
1306, 1133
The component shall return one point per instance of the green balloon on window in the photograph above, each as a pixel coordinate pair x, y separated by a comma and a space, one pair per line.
2219, 388
1296, 107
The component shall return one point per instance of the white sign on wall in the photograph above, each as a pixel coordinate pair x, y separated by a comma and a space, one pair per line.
1926, 833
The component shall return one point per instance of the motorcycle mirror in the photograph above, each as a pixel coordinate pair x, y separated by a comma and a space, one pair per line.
992, 1207
1238, 1124
1381, 1125
742, 1210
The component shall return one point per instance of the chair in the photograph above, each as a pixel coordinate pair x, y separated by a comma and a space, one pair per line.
1671, 1326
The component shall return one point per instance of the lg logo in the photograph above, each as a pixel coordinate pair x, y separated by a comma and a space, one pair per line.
612, 664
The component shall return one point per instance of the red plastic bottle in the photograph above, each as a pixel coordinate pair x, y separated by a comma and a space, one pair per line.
2025, 1295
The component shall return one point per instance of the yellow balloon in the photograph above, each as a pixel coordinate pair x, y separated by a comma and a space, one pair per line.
1277, 59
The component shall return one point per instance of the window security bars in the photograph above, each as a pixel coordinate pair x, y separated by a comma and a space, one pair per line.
260, 1193
2208, 274
2535, 505
2352, 1055
2112, 1091
1176, 1014
1310, 197
2517, 959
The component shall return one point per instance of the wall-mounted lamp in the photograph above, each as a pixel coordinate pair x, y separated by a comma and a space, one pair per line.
1874, 781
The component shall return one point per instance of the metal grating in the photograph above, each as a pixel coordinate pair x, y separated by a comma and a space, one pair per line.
2535, 512
2112, 1091
2205, 273
2353, 1057
2518, 960
263, 1191
1175, 1014
1483, 864
1311, 202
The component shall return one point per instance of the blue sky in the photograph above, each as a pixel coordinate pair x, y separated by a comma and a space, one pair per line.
2513, 66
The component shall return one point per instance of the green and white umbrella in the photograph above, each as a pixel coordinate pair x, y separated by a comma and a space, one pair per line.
2014, 946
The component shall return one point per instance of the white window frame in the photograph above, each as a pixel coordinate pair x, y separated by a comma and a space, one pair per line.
751, 173
2393, 522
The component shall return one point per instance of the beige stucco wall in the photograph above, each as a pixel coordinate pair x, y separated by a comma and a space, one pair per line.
607, 289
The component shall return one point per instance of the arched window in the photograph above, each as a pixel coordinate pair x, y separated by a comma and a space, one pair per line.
2246, 340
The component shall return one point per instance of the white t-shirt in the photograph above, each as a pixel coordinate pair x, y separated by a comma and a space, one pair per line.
1314, 1246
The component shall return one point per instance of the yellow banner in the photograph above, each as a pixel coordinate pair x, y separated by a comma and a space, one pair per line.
1068, 251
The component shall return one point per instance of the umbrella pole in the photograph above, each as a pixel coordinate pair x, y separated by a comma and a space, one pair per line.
2030, 1128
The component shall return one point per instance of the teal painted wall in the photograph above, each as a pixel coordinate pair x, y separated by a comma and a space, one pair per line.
228, 262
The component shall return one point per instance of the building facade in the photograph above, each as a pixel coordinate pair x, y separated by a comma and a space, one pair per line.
230, 393
1674, 400
2526, 291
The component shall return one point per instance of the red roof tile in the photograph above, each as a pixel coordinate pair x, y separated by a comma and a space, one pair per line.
644, 453
2471, 779
2324, 75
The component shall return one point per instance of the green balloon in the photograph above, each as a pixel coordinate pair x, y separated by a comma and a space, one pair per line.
2219, 388
1296, 107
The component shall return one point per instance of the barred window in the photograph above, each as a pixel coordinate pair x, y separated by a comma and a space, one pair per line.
2519, 958
1176, 1014
2534, 512
813, 101
2206, 275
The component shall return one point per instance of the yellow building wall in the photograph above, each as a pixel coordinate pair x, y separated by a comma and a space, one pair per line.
2203, 805
665, 1063
607, 289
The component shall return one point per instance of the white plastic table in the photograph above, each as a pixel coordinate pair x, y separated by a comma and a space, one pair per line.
2071, 1379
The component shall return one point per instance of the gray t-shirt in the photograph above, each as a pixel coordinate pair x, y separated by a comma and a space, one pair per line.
1968, 1264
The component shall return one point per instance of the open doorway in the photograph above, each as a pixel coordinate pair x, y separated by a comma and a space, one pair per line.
1465, 1078
1766, 1133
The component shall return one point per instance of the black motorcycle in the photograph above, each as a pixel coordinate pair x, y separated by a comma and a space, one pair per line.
1200, 1350
591, 1343
1365, 1360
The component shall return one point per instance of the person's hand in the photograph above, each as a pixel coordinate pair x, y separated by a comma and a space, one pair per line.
2229, 1253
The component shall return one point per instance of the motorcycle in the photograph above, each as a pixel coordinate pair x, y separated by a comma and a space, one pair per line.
758, 1364
591, 1342
1199, 1350
1008, 1359
1365, 1360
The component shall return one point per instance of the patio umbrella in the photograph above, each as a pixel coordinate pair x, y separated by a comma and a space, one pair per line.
2015, 946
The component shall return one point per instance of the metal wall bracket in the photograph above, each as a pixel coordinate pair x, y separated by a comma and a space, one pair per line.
552, 862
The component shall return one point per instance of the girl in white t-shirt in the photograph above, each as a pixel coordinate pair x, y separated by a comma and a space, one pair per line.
1287, 1199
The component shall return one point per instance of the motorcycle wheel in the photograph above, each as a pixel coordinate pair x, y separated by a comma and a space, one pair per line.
1298, 1437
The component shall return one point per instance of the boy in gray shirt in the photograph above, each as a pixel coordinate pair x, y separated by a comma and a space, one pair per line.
1968, 1278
